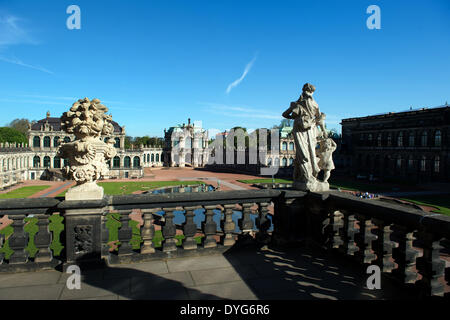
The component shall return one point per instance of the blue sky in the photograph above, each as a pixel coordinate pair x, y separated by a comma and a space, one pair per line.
225, 63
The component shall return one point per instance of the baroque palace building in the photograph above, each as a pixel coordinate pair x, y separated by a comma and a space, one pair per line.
411, 146
39, 160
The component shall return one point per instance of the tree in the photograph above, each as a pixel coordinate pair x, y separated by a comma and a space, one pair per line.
12, 135
20, 125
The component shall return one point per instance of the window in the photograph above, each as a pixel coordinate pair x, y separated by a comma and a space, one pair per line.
436, 164
36, 142
46, 142
153, 157
66, 139
269, 161
117, 144
57, 162
56, 141
284, 146
36, 162
423, 164
424, 138
379, 140
127, 162
116, 162
136, 162
66, 162
389, 140
369, 138
291, 161
291, 146
410, 163
399, 162
411, 139
400, 139
437, 138
46, 161
284, 162
157, 157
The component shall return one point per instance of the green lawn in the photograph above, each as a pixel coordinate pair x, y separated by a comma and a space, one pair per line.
23, 192
252, 181
117, 188
440, 202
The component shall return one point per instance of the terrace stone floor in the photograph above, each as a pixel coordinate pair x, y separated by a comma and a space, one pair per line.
287, 274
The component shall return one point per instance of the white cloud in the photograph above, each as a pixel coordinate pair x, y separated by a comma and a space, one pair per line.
238, 81
20, 63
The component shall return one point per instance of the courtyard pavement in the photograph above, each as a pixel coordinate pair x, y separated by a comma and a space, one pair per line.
237, 274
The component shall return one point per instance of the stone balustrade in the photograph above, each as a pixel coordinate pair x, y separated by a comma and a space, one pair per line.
406, 243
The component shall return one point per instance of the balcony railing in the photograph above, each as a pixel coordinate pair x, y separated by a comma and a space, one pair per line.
123, 229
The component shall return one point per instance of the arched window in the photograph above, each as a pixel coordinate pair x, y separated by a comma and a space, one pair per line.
269, 161
157, 157
437, 138
436, 164
153, 157
136, 162
117, 144
399, 162
411, 139
284, 162
188, 143
284, 146
291, 146
36, 142
389, 139
410, 163
66, 139
57, 162
46, 161
400, 139
291, 161
56, 141
424, 138
127, 162
116, 162
148, 157
423, 164
379, 139
46, 142
36, 162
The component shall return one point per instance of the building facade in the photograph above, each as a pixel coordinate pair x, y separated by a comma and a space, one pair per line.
186, 145
409, 146
15, 160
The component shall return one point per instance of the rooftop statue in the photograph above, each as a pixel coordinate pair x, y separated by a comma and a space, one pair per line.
87, 155
309, 161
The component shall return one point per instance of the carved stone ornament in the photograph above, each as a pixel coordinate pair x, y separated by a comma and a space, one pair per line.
88, 154
309, 161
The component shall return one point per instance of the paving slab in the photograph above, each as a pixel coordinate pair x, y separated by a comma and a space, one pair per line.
158, 283
29, 278
135, 269
229, 290
98, 288
198, 263
42, 292
222, 275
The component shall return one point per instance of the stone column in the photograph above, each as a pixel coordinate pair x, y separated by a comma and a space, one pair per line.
83, 231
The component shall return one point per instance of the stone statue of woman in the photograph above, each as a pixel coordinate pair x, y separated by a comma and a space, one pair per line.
307, 117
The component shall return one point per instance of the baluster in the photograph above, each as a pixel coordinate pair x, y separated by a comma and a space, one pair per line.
404, 255
105, 236
263, 223
125, 233
350, 231
209, 228
18, 240
2, 239
364, 240
169, 231
383, 246
148, 231
228, 225
246, 223
43, 239
189, 229
332, 231
431, 266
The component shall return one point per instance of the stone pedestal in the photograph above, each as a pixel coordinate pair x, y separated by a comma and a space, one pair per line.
314, 186
86, 191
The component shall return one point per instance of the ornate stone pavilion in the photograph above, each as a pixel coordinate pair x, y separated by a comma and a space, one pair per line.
413, 144
186, 145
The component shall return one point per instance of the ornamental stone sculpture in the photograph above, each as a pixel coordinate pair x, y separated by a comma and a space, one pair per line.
87, 155
309, 161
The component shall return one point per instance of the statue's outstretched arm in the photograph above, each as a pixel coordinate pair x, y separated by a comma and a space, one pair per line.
287, 114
